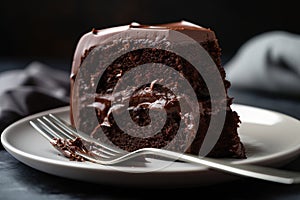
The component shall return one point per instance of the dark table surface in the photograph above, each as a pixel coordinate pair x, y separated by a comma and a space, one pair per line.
18, 181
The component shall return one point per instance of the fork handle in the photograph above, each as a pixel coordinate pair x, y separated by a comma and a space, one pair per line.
253, 171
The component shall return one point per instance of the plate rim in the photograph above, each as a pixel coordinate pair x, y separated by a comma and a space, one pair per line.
15, 152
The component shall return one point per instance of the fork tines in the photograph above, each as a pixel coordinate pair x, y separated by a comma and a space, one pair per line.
68, 141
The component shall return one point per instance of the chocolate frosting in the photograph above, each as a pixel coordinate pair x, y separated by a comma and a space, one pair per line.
95, 37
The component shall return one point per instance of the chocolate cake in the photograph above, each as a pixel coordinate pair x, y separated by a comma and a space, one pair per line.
146, 104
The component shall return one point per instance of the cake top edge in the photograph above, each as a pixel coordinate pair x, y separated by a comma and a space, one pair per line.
177, 26
181, 25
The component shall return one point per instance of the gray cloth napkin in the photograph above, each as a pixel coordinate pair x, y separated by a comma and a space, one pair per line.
269, 62
33, 89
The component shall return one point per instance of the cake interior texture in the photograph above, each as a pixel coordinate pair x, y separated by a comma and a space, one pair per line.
152, 96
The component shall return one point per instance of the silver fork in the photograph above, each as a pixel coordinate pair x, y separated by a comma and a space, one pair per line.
52, 127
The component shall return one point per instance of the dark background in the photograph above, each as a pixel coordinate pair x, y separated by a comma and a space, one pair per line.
48, 31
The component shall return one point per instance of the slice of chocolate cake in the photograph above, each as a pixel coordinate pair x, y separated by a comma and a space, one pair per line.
155, 103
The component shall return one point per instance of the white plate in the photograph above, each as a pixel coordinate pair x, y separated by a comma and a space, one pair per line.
270, 138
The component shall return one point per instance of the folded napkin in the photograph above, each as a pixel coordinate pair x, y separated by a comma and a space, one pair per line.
269, 62
33, 89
